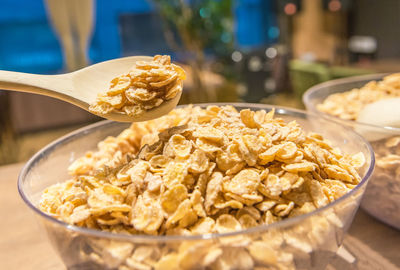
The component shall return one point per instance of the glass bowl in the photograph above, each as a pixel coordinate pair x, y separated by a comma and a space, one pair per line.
303, 242
382, 197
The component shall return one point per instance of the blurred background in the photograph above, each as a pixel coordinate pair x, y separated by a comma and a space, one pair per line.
263, 51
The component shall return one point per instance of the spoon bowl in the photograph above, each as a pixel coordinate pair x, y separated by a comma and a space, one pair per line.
81, 87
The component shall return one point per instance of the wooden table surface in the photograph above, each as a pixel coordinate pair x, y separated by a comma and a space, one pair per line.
23, 245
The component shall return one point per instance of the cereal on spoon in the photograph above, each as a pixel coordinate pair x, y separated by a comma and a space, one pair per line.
202, 171
146, 86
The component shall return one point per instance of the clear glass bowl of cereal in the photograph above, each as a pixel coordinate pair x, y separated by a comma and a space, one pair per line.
275, 233
382, 197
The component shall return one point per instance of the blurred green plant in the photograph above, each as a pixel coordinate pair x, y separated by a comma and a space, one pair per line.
194, 27
201, 24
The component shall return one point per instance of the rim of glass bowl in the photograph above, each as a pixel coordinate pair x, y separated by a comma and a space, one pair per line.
171, 238
332, 83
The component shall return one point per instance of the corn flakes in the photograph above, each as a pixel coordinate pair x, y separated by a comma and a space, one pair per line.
204, 171
146, 86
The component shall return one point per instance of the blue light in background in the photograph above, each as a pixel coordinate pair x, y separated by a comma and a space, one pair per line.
28, 43
32, 46
273, 32
204, 12
254, 20
226, 37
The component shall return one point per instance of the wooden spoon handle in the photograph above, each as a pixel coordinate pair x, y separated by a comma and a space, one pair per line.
57, 86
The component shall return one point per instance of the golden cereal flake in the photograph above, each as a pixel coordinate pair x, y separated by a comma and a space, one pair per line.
146, 214
245, 182
227, 223
172, 198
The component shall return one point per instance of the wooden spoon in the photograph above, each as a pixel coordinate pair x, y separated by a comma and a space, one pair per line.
82, 86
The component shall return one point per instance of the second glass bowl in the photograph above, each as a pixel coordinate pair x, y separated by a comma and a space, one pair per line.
382, 197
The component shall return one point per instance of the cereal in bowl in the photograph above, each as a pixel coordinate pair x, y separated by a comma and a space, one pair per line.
348, 105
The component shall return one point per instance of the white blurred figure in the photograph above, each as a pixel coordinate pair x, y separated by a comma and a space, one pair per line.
73, 21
